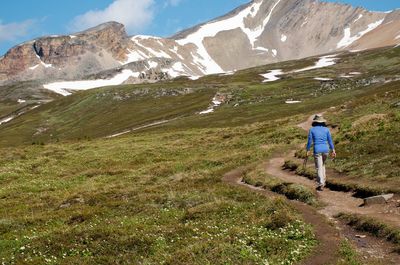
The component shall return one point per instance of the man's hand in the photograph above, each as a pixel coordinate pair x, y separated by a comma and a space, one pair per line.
308, 154
333, 154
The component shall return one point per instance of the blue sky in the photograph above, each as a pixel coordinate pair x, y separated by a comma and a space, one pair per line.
22, 20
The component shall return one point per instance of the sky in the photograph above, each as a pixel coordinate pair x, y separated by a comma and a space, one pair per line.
23, 20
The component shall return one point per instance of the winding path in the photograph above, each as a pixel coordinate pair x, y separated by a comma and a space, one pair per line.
335, 202
329, 232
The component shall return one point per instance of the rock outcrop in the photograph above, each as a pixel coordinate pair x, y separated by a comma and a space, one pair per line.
104, 45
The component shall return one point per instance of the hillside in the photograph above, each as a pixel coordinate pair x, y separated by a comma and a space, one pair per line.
134, 172
244, 95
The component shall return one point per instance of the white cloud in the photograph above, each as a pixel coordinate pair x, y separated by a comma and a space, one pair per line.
13, 31
134, 14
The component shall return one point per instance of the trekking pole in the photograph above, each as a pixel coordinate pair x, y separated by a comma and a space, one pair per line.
305, 162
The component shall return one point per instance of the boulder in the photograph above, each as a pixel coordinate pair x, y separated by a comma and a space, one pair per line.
380, 199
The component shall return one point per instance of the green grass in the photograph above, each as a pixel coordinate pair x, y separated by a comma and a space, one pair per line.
103, 113
30, 91
8, 107
372, 226
259, 178
342, 183
348, 255
367, 140
147, 198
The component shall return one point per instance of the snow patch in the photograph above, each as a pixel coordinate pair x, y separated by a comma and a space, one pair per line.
5, 120
145, 37
137, 55
255, 34
134, 56
34, 67
72, 36
20, 101
283, 38
160, 43
322, 79
323, 61
357, 50
274, 52
118, 134
228, 73
160, 53
292, 101
19, 113
397, 37
346, 76
304, 23
175, 50
255, 8
350, 75
384, 12
41, 63
214, 104
359, 17
153, 64
262, 49
213, 28
348, 39
46, 65
177, 69
63, 87
211, 110
272, 75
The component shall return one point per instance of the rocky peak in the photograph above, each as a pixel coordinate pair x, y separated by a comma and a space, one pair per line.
110, 37
61, 51
108, 26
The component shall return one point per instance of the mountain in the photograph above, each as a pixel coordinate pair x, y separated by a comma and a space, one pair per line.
258, 33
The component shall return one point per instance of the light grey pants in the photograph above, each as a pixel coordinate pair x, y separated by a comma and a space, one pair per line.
320, 160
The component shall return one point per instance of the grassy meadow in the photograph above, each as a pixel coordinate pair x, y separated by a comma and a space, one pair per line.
145, 199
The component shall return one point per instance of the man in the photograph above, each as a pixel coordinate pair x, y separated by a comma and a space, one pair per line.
320, 135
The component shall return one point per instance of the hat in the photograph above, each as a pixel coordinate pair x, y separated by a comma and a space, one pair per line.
319, 119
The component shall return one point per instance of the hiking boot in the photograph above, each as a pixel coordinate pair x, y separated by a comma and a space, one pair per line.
320, 188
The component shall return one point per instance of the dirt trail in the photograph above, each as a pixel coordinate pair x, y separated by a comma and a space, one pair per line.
334, 203
327, 235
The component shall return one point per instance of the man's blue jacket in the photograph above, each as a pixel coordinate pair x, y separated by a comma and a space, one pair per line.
321, 137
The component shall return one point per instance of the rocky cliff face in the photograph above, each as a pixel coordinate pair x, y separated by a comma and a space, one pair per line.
104, 45
58, 51
261, 32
